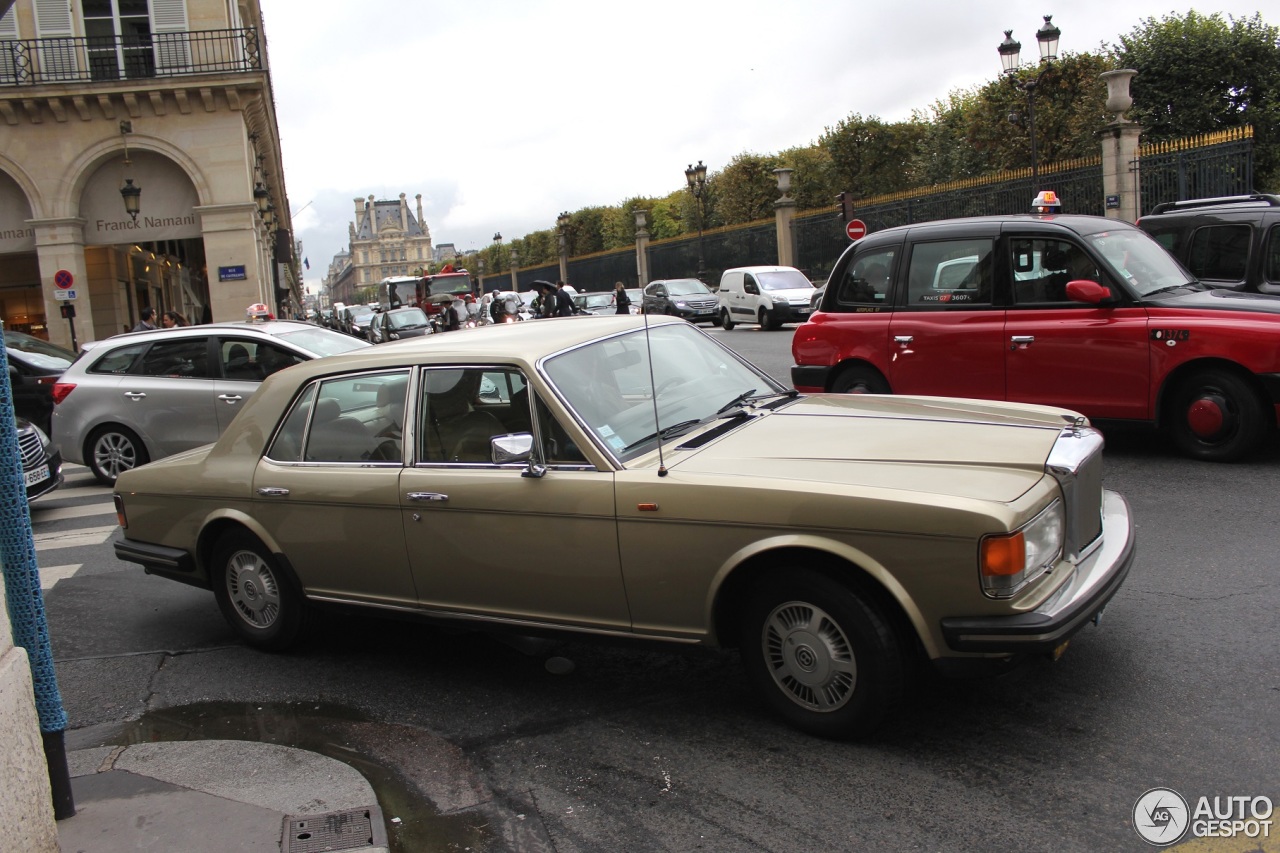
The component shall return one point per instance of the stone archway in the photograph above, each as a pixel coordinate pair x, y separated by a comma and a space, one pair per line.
21, 303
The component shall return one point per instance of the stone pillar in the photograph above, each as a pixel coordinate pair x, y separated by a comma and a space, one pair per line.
515, 281
784, 214
26, 801
231, 239
60, 246
422, 223
404, 215
373, 217
642, 247
1121, 184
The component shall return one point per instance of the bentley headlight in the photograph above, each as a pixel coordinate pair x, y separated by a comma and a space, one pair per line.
1010, 561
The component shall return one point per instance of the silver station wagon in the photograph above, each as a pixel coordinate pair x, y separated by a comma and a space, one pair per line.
144, 395
603, 476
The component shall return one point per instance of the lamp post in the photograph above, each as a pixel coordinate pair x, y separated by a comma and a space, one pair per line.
1010, 50
697, 178
562, 237
130, 192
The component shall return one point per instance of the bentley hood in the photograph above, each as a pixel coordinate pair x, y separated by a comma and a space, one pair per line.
966, 448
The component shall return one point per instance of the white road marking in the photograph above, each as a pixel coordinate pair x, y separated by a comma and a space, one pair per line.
61, 513
50, 575
74, 538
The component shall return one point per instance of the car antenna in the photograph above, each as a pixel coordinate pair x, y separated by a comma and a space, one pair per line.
653, 395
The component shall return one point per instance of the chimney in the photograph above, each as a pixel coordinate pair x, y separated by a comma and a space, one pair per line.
420, 221
373, 216
359, 211
404, 215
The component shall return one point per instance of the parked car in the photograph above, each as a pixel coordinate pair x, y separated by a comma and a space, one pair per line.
41, 461
34, 367
355, 320
1076, 311
687, 298
145, 395
595, 303
613, 478
398, 323
768, 296
1231, 242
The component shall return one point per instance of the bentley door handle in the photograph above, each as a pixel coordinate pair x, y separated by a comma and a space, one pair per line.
427, 496
273, 492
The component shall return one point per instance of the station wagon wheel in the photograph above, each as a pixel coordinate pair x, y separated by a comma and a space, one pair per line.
820, 655
725, 320
112, 450
257, 597
859, 380
1217, 416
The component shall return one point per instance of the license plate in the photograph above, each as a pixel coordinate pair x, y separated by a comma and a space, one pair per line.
37, 475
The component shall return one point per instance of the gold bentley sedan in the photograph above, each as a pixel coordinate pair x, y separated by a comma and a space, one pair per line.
604, 476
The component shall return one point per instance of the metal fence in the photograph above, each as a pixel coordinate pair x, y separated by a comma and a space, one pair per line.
134, 56
1211, 165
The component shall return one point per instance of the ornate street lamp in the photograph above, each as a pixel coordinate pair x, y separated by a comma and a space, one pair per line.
697, 179
1010, 59
130, 192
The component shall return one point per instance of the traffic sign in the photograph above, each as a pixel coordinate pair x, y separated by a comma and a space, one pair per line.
856, 229
63, 279
64, 295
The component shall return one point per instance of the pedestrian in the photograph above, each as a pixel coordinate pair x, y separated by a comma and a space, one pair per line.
620, 299
146, 315
555, 302
172, 319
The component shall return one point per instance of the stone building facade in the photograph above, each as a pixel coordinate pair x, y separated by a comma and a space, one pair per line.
386, 239
172, 97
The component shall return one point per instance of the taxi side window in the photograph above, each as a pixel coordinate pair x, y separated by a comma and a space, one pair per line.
1220, 252
950, 274
1042, 268
864, 286
1273, 254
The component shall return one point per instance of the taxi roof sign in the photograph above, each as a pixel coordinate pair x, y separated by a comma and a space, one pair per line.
1046, 201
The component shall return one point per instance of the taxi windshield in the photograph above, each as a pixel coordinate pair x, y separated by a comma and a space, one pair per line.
1142, 262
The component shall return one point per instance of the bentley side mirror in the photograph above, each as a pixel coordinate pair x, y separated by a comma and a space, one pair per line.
508, 449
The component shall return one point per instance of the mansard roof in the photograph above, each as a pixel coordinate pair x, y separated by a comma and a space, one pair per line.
387, 212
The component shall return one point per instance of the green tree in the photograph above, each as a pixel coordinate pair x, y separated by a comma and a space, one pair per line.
1201, 73
869, 156
746, 189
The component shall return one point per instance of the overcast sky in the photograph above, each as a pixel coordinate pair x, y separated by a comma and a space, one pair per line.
576, 103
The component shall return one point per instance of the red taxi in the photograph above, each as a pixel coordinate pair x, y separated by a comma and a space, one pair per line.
1082, 312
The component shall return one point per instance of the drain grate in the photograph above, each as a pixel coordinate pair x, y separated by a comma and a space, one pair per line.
352, 829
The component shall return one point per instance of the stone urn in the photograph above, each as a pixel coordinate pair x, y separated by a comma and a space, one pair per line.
1118, 98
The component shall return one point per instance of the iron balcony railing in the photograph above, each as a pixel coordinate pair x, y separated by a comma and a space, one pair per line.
25, 62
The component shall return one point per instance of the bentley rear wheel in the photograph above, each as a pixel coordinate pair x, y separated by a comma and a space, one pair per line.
257, 597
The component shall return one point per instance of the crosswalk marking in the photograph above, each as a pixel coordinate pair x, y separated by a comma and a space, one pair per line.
40, 513
73, 538
50, 575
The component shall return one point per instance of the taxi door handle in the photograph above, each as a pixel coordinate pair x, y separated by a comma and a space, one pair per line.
903, 340
427, 496
1021, 341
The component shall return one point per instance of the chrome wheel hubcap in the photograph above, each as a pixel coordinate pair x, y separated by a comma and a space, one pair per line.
809, 656
253, 589
114, 454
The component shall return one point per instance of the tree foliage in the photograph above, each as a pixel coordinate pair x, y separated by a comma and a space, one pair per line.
1199, 74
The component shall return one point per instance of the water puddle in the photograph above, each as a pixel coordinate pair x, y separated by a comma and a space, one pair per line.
331, 730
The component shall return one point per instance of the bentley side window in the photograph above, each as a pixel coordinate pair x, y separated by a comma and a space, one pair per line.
358, 419
460, 413
287, 446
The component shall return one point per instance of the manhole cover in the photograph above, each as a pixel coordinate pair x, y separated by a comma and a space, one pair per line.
345, 830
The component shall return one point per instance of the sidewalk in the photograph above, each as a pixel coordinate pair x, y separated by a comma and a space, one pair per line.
218, 795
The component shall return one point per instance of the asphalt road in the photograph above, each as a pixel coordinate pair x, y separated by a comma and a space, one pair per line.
480, 744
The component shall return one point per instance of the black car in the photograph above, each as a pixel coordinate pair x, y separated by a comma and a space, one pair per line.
41, 461
34, 367
1231, 242
681, 297
409, 322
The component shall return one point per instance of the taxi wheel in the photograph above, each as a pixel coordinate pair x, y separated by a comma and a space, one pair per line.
859, 380
726, 322
112, 450
1217, 416
821, 656
258, 598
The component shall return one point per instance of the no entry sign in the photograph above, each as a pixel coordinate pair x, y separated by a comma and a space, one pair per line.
856, 229
63, 279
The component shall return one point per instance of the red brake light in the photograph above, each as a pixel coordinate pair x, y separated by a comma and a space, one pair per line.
61, 390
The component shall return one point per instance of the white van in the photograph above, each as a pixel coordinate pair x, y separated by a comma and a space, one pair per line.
769, 296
